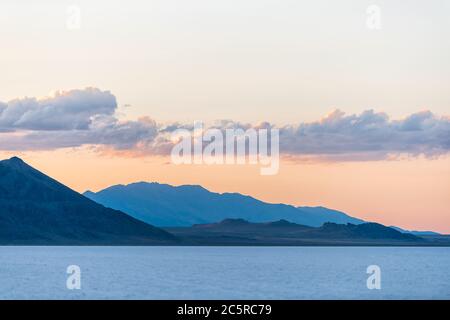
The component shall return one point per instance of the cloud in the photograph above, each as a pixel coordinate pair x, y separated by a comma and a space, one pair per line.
369, 135
117, 135
66, 110
88, 118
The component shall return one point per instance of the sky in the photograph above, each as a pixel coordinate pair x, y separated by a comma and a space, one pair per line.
363, 113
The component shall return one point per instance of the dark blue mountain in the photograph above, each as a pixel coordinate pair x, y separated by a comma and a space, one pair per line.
417, 233
284, 233
165, 205
35, 209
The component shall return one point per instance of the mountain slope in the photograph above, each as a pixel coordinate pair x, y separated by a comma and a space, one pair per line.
242, 232
165, 205
417, 233
35, 209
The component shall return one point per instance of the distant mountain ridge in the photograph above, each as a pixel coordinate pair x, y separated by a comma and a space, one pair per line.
417, 233
166, 206
36, 209
282, 233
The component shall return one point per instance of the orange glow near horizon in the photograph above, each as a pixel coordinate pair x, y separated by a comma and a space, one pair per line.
412, 194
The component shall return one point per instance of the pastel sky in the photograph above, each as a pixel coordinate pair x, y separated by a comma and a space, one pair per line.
363, 114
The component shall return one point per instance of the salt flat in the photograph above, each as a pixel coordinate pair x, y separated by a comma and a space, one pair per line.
224, 272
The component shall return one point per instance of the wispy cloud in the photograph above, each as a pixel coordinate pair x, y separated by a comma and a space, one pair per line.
88, 117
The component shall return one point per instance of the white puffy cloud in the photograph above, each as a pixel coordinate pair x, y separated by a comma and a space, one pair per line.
66, 110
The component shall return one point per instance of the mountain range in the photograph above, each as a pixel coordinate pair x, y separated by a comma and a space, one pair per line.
38, 210
168, 206
285, 233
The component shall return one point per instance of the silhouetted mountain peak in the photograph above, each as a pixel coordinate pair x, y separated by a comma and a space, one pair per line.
15, 162
15, 159
36, 209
